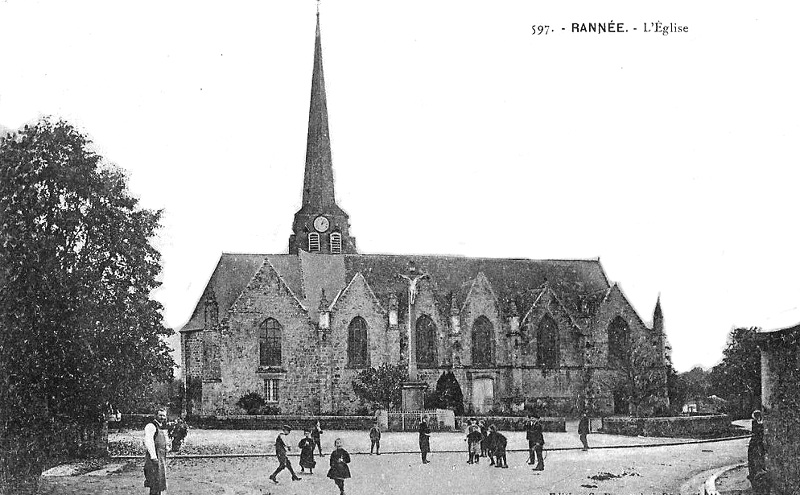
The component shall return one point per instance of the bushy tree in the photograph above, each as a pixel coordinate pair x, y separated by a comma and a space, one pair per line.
642, 379
382, 385
78, 327
737, 378
448, 394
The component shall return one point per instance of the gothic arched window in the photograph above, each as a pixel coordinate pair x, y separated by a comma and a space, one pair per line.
357, 356
336, 243
482, 348
313, 242
547, 351
269, 343
426, 341
618, 342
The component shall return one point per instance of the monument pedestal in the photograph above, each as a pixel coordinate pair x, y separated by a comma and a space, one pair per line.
413, 396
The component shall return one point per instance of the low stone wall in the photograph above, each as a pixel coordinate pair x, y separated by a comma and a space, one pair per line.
262, 422
678, 426
514, 423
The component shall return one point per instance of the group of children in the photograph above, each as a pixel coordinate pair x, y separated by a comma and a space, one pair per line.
339, 459
486, 442
481, 442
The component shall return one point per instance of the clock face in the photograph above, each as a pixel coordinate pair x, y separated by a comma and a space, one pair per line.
321, 224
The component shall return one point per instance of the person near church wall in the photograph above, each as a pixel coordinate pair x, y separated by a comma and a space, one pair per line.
424, 439
583, 430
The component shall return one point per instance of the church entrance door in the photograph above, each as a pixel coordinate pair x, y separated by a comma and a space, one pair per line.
482, 395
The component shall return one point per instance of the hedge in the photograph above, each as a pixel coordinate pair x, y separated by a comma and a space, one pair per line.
677, 426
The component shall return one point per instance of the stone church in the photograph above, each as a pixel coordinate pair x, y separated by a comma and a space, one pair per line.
297, 327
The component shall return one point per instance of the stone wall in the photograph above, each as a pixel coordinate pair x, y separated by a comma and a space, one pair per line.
679, 426
264, 422
266, 296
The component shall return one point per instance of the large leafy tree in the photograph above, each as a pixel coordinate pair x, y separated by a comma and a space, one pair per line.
737, 378
78, 328
382, 385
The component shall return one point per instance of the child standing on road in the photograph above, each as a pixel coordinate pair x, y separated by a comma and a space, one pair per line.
307, 453
339, 470
375, 439
474, 438
497, 446
315, 434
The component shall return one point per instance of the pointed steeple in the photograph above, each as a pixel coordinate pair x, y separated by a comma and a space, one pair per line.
318, 184
658, 317
320, 226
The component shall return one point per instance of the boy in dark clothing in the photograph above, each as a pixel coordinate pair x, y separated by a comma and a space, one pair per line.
424, 439
485, 439
307, 453
375, 439
583, 430
538, 443
529, 435
498, 445
280, 453
488, 444
316, 432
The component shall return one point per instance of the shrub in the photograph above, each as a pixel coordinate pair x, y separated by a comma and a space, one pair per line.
252, 403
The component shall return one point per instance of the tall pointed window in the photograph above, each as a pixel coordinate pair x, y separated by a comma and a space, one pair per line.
482, 349
269, 343
547, 351
336, 243
357, 356
426, 341
313, 242
618, 343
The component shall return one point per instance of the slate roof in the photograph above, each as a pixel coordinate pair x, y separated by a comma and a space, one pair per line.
518, 280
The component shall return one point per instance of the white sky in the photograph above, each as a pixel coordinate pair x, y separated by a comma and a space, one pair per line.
454, 131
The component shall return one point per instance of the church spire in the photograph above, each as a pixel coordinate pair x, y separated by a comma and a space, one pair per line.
318, 183
320, 226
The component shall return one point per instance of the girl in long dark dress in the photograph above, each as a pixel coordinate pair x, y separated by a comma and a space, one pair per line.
307, 453
339, 470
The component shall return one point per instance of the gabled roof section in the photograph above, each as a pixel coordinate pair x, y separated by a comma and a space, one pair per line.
232, 274
479, 279
358, 279
230, 277
546, 290
267, 265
